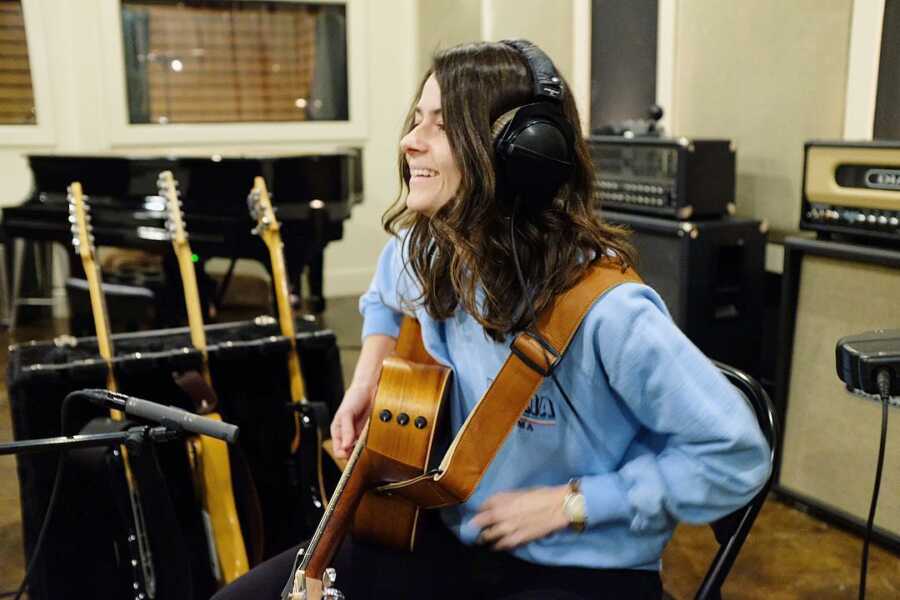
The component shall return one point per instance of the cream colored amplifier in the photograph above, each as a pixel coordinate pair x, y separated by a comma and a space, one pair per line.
852, 188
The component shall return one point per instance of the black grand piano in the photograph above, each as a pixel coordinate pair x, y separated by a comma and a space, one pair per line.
127, 211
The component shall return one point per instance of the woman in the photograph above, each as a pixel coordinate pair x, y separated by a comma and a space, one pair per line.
635, 431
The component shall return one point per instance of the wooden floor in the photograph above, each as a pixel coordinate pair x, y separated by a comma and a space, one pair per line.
790, 555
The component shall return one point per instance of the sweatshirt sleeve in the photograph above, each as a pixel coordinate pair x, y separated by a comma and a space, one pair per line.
699, 453
380, 305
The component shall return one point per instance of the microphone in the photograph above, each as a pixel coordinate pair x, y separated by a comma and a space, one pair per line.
869, 362
169, 416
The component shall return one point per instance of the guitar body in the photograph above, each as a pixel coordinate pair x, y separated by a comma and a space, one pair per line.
399, 442
404, 429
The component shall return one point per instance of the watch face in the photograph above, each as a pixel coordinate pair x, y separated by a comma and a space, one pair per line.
575, 508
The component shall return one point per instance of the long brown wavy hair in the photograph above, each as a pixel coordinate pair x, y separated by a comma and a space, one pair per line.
466, 245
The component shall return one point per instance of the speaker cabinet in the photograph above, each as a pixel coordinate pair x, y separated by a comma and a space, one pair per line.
710, 274
830, 436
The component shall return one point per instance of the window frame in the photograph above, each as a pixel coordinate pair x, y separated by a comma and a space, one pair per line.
124, 133
42, 133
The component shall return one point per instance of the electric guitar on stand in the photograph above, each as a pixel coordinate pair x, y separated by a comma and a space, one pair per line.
209, 456
138, 555
310, 419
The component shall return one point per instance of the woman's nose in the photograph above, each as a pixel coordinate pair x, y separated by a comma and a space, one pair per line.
412, 141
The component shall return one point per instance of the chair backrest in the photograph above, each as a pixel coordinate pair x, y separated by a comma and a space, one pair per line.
731, 531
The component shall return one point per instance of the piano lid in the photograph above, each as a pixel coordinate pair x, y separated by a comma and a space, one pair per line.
211, 183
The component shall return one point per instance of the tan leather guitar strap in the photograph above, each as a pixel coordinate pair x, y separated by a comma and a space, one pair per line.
487, 426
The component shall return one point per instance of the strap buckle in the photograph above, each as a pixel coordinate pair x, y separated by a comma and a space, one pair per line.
528, 346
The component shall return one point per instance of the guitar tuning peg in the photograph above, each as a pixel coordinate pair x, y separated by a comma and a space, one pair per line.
329, 592
91, 238
76, 242
73, 218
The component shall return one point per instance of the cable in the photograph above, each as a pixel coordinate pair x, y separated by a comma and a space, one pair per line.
51, 505
533, 314
884, 390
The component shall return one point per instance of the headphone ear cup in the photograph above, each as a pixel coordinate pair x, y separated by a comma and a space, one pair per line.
534, 151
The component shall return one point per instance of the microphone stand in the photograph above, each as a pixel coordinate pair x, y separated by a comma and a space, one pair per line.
132, 438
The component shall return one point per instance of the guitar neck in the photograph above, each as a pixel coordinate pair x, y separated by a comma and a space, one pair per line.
285, 313
192, 301
339, 513
101, 324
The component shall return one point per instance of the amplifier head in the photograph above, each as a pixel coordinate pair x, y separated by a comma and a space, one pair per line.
852, 188
675, 178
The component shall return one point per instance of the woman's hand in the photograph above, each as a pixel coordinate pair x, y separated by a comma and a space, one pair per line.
510, 519
350, 417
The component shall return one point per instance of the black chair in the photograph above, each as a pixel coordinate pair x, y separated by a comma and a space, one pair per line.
731, 531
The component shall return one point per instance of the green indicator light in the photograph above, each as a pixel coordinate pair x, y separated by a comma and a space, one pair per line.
195, 258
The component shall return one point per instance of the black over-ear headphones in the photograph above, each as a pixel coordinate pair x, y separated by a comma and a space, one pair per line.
534, 144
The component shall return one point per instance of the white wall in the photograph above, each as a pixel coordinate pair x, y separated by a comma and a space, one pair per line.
392, 78
546, 23
79, 97
770, 75
446, 23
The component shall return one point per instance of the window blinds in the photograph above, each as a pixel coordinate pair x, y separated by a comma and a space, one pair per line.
220, 62
16, 95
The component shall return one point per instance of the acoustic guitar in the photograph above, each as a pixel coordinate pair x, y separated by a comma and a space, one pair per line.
139, 559
209, 456
398, 443
310, 419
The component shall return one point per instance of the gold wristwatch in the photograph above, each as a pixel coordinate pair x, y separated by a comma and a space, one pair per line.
574, 507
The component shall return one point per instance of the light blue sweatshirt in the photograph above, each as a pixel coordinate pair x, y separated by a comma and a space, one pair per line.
663, 437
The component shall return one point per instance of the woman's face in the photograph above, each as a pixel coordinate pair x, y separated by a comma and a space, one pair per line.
434, 175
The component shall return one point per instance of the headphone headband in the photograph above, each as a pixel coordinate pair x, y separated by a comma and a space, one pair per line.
547, 82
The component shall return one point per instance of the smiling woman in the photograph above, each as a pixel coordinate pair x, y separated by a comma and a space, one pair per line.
629, 432
433, 174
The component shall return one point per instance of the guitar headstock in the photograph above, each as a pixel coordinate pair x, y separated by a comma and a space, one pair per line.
168, 189
80, 218
260, 204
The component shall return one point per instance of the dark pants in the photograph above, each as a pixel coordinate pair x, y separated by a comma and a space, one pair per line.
442, 567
